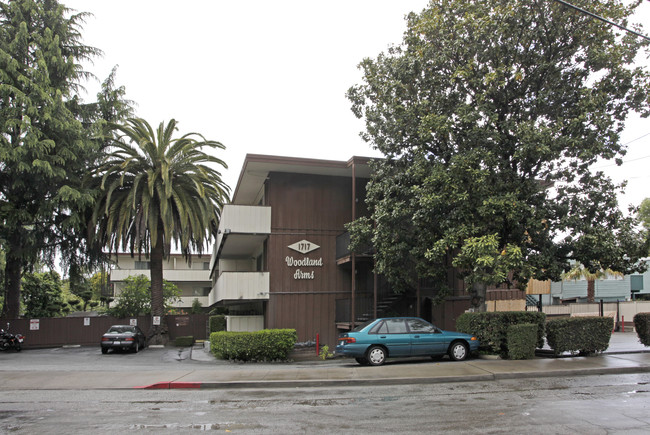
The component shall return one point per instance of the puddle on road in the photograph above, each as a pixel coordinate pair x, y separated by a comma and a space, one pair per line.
200, 427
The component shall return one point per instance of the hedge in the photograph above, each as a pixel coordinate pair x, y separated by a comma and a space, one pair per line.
217, 323
585, 335
522, 340
492, 328
264, 345
642, 326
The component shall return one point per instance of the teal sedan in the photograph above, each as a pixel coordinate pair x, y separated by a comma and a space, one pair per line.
394, 337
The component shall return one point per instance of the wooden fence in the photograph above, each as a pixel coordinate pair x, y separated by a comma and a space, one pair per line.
87, 331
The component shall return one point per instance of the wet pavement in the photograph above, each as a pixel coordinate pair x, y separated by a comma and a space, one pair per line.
164, 368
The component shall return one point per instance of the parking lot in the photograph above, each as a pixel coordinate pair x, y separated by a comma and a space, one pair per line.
91, 358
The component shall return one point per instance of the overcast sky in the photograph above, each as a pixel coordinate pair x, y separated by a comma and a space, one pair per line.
268, 77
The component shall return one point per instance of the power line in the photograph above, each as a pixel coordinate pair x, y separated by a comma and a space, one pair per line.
630, 160
598, 17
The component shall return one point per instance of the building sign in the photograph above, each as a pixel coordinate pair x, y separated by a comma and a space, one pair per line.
304, 247
34, 324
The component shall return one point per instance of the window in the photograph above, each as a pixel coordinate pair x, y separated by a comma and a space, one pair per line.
201, 291
142, 265
417, 325
390, 326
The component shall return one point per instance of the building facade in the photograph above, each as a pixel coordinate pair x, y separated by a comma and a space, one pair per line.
608, 289
281, 257
193, 280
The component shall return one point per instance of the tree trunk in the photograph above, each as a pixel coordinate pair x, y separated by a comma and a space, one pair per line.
158, 333
478, 293
11, 309
591, 291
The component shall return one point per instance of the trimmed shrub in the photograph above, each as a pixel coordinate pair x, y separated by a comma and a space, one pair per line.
217, 323
264, 345
522, 341
642, 327
492, 328
186, 341
585, 335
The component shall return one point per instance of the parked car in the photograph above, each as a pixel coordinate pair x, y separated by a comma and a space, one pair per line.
374, 341
123, 337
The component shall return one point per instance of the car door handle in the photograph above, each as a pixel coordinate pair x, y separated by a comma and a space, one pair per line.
416, 336
383, 336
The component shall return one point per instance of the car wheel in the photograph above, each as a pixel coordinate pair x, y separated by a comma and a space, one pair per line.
458, 351
362, 361
104, 350
136, 348
376, 355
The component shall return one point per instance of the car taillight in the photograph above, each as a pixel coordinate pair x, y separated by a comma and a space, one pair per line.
347, 340
105, 339
129, 339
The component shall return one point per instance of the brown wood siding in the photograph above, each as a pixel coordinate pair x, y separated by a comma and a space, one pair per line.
313, 208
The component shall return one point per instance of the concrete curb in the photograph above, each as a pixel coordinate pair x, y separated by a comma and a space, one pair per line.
315, 383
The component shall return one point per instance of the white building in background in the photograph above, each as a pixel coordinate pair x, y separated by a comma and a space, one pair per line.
193, 281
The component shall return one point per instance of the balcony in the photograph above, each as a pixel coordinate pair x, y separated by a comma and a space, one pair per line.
178, 275
343, 253
240, 286
242, 230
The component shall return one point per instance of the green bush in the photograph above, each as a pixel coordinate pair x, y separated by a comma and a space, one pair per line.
522, 341
184, 341
217, 323
264, 345
585, 335
492, 328
642, 326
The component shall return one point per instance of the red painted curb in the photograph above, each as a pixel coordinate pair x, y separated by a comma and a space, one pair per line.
175, 385
170, 385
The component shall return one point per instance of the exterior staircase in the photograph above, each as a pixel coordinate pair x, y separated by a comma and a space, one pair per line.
384, 308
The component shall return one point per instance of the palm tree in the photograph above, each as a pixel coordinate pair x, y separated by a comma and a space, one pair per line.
156, 189
579, 271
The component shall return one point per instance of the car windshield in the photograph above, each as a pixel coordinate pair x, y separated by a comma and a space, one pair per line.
120, 329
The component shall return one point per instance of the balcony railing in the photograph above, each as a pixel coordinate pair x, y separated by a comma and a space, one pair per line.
240, 286
343, 247
182, 275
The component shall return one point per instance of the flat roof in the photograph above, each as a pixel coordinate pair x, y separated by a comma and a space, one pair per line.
257, 167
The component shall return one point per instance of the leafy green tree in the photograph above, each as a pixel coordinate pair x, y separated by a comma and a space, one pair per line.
42, 294
135, 297
490, 115
644, 213
158, 189
197, 308
46, 145
80, 286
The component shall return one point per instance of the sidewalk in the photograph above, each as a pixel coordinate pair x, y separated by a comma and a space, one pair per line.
624, 355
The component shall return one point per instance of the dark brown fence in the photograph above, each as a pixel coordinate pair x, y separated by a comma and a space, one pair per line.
85, 331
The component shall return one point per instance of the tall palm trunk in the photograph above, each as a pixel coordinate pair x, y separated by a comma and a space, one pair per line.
591, 291
158, 334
